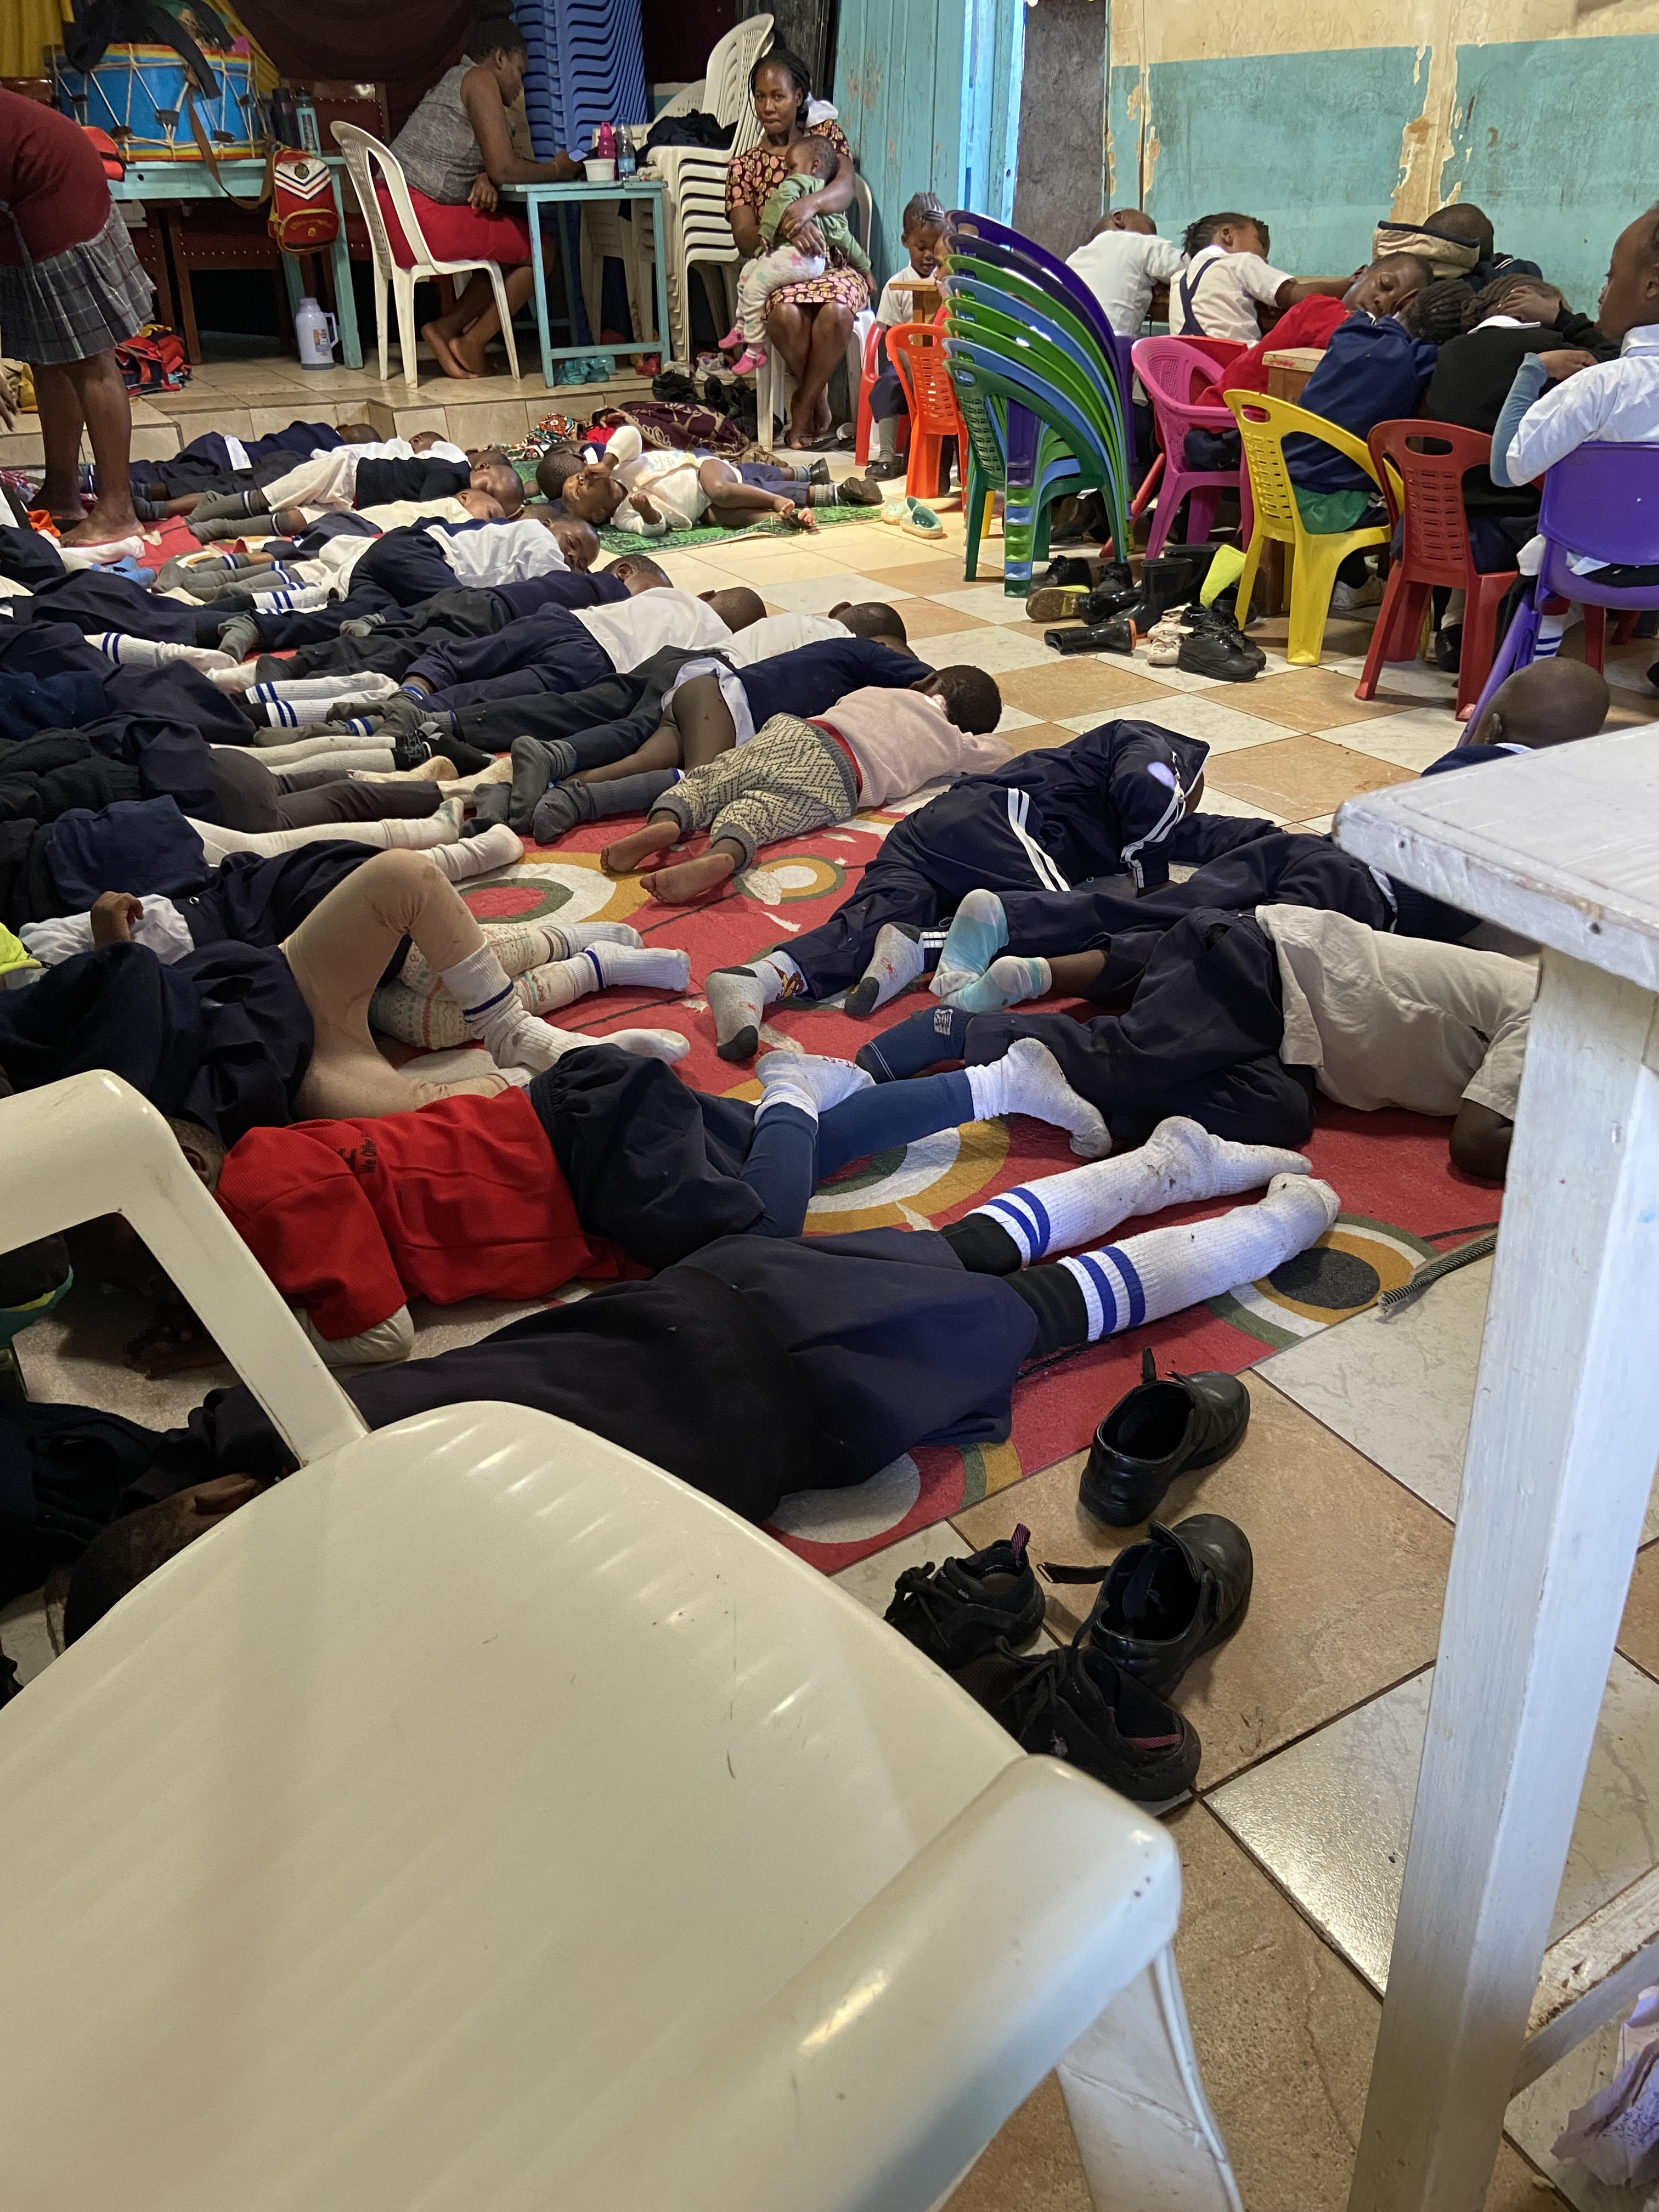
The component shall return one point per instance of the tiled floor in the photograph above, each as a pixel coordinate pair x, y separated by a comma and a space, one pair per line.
1312, 1716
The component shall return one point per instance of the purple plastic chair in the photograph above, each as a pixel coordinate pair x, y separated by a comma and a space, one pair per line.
1603, 501
1171, 370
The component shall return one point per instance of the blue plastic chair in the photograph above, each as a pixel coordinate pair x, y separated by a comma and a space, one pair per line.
1042, 423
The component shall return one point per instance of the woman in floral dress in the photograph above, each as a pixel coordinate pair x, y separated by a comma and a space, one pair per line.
810, 324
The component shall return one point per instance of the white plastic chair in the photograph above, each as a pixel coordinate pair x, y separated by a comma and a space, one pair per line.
605, 236
484, 1818
772, 382
698, 232
363, 155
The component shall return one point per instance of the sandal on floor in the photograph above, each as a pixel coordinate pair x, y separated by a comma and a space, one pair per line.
922, 522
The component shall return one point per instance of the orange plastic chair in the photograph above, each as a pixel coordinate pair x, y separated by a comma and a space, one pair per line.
1264, 424
1430, 460
917, 352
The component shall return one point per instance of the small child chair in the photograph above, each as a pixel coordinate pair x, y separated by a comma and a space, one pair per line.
917, 352
1430, 460
1171, 372
1264, 424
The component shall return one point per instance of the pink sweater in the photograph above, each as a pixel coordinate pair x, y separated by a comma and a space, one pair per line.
900, 740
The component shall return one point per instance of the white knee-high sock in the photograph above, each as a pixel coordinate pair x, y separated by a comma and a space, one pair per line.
602, 967
513, 1037
153, 653
1027, 1079
467, 857
521, 946
432, 830
1148, 1276
323, 752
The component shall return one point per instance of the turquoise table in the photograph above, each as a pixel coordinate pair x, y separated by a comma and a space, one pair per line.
160, 181
535, 198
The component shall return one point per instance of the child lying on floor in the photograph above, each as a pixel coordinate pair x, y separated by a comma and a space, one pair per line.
871, 747
652, 492
361, 478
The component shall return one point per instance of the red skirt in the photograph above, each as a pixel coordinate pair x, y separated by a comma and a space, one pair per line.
457, 234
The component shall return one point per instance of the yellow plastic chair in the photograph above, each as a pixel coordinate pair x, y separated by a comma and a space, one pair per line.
1264, 424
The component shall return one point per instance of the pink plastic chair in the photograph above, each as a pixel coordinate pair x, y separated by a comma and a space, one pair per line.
1171, 372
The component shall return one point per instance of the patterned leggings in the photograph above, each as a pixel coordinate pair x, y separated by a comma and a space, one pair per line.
788, 779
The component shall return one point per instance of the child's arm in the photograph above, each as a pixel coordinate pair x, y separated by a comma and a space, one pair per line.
637, 515
1535, 429
784, 195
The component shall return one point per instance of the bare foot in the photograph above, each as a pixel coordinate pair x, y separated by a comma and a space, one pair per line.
438, 339
623, 858
798, 518
469, 350
104, 526
690, 879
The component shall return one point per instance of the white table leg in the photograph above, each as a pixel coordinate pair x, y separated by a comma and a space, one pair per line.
1556, 1481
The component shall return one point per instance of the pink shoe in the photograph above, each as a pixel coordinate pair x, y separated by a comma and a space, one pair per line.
749, 361
734, 338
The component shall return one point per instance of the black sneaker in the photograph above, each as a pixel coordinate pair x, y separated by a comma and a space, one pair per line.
1157, 1431
818, 473
957, 1612
1227, 654
1070, 568
858, 491
1075, 1704
1179, 1592
886, 471
1449, 648
1196, 617
1117, 636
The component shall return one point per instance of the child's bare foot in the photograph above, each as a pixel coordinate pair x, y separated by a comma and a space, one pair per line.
438, 339
798, 517
623, 858
690, 879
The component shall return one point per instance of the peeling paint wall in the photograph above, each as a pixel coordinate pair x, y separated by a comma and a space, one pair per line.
1325, 118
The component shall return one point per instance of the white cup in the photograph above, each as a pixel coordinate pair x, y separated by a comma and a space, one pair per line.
600, 173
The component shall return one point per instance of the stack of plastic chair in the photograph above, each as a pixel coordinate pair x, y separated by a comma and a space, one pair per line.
1430, 460
1264, 424
483, 1817
772, 382
698, 232
1601, 500
587, 66
917, 353
1171, 373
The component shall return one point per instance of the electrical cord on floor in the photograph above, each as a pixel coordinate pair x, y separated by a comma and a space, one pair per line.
1396, 1301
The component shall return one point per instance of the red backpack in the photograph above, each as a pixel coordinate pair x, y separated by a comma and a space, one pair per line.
302, 214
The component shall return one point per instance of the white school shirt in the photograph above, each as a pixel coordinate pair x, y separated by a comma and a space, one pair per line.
631, 630
1399, 1021
1122, 268
1617, 401
1226, 290
664, 476
900, 307
775, 633
485, 553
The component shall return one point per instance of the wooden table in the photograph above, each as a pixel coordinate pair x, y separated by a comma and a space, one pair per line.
536, 197
1563, 846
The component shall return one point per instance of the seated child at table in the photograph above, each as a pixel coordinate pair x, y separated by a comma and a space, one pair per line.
1382, 289
1456, 241
809, 165
1228, 279
1614, 402
1122, 262
923, 240
871, 747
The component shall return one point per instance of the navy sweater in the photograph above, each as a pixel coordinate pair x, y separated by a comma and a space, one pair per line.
1372, 373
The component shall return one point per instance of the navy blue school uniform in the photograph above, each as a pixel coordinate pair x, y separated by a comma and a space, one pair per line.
602, 722
29, 557
823, 672
400, 570
96, 601
548, 650
159, 720
465, 611
64, 864
759, 1367
29, 704
1473, 757
249, 900
207, 464
1370, 372
223, 1036
380, 482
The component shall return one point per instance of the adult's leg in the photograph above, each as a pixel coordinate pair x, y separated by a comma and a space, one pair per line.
469, 348
102, 398
61, 425
789, 328
441, 333
832, 330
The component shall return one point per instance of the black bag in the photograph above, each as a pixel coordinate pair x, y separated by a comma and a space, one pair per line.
696, 128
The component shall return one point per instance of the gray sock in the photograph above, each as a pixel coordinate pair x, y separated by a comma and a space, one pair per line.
887, 440
491, 802
533, 772
239, 636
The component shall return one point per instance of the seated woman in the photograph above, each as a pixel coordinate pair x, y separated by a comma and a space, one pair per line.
809, 324
455, 150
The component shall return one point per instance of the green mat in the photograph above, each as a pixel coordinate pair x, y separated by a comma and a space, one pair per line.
689, 541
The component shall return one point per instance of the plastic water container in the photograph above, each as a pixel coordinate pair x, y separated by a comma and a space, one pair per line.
316, 333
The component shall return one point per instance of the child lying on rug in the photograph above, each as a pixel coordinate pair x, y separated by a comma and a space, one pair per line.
350, 1221
825, 1358
656, 490
218, 462
871, 747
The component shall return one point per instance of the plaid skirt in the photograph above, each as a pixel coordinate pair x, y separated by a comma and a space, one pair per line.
77, 303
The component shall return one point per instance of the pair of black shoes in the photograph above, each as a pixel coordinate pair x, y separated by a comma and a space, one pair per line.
1215, 645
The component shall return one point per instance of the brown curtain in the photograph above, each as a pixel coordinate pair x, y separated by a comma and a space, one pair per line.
405, 44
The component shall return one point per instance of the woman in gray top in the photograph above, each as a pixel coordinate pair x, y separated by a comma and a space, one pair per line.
455, 150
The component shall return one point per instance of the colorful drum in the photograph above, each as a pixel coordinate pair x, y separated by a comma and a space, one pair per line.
137, 95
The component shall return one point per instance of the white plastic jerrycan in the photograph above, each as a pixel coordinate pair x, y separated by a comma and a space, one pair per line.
316, 333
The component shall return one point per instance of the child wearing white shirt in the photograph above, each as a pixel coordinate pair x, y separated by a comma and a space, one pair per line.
923, 240
1122, 263
1228, 277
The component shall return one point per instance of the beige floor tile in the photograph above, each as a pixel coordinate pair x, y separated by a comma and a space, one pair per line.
871, 1580
1405, 681
1064, 687
930, 572
1409, 739
782, 561
926, 618
1031, 2166
816, 595
1350, 1570
1036, 736
998, 646
1537, 2116
1330, 1818
1220, 718
1627, 666
1301, 777
1639, 1636
1313, 699
1216, 801
1631, 708
989, 601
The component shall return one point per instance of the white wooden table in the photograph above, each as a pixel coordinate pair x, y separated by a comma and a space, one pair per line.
1564, 848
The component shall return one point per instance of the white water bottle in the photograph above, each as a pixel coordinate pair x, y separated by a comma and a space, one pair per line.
316, 333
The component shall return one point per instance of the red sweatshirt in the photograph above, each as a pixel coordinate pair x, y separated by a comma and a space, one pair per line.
1310, 322
462, 1200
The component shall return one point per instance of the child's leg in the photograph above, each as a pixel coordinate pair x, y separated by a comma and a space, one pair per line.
733, 503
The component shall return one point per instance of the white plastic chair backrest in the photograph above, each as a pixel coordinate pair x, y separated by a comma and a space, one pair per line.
863, 212
91, 1145
727, 81
363, 155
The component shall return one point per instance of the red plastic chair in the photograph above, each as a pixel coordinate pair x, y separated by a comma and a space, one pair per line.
1433, 459
917, 352
1171, 372
870, 370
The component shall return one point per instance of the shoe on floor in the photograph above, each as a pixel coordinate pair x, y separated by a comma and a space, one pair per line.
1157, 1431
895, 511
1163, 642
1075, 1704
884, 471
1177, 1593
856, 491
1111, 596
1449, 648
921, 521
959, 1611
1056, 602
1117, 636
1354, 598
1070, 568
1227, 654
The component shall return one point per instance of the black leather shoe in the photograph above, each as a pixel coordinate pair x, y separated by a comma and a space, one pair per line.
1117, 636
1164, 585
965, 1608
1178, 1592
1069, 568
1109, 598
1449, 648
1076, 1704
1227, 654
1157, 1431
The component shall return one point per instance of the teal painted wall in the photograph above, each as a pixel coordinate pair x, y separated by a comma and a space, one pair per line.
1554, 138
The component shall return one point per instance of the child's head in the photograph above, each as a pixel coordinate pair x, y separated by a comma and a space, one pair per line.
119, 1557
501, 481
1528, 299
970, 697
1134, 219
871, 618
555, 468
1438, 312
1467, 224
1385, 286
923, 232
482, 506
1232, 233
365, 434
591, 493
812, 157
639, 573
1631, 295
577, 540
737, 607
202, 1151
1548, 702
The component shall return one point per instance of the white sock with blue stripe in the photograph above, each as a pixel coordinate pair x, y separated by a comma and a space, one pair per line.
1146, 1277
602, 967
1179, 1164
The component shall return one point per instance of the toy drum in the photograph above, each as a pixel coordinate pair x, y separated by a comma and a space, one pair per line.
136, 92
